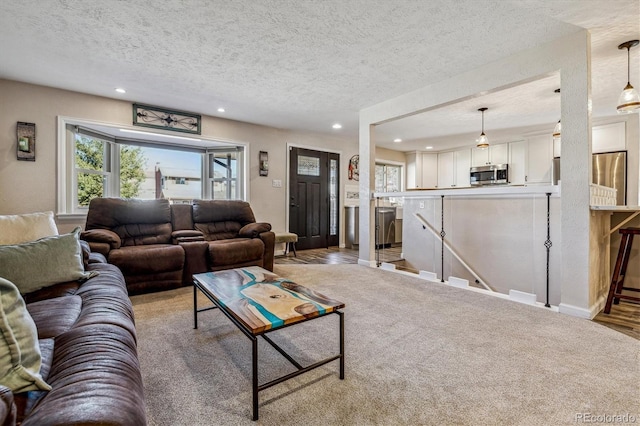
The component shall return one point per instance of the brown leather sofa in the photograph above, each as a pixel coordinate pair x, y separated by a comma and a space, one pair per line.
89, 357
159, 246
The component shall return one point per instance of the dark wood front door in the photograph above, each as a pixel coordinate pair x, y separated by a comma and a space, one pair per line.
313, 197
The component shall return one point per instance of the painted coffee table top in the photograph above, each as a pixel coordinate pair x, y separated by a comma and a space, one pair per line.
262, 300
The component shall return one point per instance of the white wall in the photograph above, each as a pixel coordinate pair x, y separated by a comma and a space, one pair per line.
31, 186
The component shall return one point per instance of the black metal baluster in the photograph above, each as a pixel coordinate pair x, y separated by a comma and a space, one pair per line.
548, 243
442, 234
377, 222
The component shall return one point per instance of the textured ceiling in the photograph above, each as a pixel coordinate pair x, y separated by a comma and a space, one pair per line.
305, 64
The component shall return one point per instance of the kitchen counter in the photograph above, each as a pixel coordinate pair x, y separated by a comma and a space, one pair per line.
483, 191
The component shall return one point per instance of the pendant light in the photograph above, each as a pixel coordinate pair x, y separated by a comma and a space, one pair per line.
558, 129
629, 100
482, 142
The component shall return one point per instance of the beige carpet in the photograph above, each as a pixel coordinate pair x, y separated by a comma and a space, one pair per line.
416, 353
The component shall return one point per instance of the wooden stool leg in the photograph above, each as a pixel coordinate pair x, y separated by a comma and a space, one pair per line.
616, 271
623, 271
293, 246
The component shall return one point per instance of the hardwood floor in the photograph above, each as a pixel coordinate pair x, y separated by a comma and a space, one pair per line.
624, 317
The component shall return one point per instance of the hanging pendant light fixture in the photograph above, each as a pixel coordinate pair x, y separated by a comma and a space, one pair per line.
558, 129
629, 100
483, 141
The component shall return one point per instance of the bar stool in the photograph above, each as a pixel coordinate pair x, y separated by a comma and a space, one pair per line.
620, 270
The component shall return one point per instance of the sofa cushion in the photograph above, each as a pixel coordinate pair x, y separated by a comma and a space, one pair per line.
136, 222
55, 316
221, 211
213, 231
37, 264
235, 251
20, 228
148, 259
20, 357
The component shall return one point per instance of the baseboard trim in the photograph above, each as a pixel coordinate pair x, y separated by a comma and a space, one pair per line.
370, 263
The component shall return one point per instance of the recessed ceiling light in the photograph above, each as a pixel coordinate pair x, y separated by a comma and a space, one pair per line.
220, 109
428, 147
337, 126
397, 140
120, 90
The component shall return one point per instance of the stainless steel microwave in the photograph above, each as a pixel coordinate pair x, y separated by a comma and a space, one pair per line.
494, 174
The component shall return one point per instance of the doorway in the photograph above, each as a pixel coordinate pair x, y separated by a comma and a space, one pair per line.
314, 183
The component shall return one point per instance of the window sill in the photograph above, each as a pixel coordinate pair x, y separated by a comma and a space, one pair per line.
71, 217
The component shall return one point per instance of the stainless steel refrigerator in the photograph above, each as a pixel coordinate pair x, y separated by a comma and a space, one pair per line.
609, 169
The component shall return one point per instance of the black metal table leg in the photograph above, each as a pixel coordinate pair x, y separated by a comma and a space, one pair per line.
254, 373
341, 344
195, 306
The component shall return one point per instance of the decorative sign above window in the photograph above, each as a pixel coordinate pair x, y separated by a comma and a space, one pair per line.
161, 118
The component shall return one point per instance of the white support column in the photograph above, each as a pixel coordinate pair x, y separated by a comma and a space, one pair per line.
366, 165
576, 174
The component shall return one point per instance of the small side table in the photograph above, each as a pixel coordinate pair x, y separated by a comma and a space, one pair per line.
289, 239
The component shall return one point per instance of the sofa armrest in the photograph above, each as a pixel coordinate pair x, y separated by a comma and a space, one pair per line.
186, 235
253, 230
102, 236
7, 407
269, 240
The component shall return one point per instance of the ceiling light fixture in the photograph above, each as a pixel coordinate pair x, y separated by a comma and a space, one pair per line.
558, 129
428, 147
220, 109
120, 90
483, 141
629, 100
397, 140
337, 126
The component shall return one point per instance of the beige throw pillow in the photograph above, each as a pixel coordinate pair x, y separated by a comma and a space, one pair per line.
20, 357
20, 228
44, 262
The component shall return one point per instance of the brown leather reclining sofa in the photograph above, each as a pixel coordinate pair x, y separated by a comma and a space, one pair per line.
87, 339
159, 246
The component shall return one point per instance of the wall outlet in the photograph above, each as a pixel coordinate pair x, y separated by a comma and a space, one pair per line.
422, 204
276, 183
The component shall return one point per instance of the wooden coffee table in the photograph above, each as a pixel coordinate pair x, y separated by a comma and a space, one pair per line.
258, 302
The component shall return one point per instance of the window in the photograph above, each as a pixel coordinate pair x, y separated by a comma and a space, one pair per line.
95, 164
224, 174
388, 178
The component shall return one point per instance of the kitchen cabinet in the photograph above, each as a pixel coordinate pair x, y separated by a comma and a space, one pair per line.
608, 138
604, 138
429, 170
453, 169
517, 162
539, 159
422, 170
495, 154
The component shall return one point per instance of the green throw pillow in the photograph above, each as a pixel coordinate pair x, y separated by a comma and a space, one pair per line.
19, 349
44, 262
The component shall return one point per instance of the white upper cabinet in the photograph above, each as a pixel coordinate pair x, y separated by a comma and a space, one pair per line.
422, 170
429, 170
539, 159
453, 169
608, 138
462, 164
495, 154
517, 162
446, 174
605, 138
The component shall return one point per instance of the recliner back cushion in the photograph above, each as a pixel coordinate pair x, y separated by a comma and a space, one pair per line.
221, 219
137, 222
218, 230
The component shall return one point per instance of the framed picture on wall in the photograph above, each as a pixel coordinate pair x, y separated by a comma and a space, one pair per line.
26, 141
